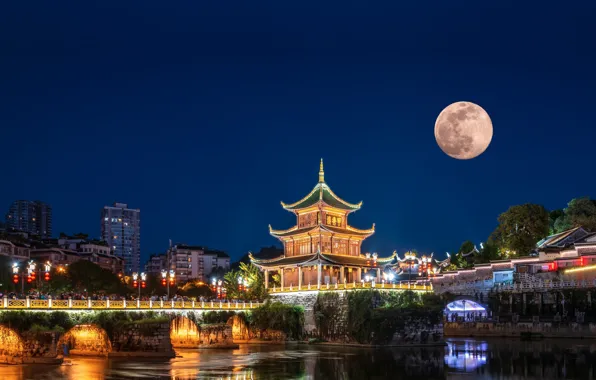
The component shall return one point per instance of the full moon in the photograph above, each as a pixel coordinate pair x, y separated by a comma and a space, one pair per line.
463, 130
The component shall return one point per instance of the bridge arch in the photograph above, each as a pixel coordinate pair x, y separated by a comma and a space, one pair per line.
11, 344
464, 308
89, 340
184, 332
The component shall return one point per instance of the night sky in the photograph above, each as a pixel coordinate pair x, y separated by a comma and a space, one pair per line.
206, 116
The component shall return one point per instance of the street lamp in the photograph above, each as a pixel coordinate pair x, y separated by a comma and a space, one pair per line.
15, 274
139, 284
167, 282
47, 266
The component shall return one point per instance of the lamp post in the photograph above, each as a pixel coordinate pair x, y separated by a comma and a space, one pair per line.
167, 279
47, 267
139, 284
135, 282
15, 275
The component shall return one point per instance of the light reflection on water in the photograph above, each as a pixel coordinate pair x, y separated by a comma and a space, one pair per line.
512, 359
461, 358
254, 362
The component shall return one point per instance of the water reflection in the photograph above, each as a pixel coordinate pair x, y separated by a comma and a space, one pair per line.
254, 362
515, 359
461, 358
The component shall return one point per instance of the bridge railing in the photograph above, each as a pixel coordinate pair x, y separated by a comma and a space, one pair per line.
70, 304
352, 285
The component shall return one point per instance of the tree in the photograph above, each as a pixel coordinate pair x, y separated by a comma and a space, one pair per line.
520, 228
196, 289
581, 212
255, 282
86, 276
488, 252
553, 216
466, 247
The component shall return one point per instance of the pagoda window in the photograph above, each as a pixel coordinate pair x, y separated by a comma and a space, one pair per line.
326, 244
354, 249
290, 248
341, 248
307, 220
304, 247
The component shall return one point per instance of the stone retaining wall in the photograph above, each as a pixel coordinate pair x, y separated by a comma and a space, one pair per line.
143, 338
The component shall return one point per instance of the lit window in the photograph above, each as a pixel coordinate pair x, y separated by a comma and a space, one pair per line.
115, 236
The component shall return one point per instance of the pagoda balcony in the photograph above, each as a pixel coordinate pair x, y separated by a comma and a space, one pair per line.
401, 286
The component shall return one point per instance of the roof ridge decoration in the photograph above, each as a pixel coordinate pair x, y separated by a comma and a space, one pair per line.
325, 195
321, 173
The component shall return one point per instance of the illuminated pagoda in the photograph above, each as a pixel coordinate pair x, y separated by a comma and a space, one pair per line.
322, 249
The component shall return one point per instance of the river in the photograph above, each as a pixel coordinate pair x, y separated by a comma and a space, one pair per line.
461, 358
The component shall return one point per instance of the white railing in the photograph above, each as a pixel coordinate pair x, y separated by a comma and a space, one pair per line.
353, 285
545, 285
49, 304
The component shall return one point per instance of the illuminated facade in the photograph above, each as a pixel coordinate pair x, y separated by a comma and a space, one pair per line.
563, 260
322, 248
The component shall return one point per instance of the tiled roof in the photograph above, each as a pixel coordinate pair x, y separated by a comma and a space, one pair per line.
291, 231
322, 192
323, 258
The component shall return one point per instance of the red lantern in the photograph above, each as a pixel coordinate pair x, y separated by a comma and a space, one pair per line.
135, 283
46, 276
33, 276
163, 282
171, 281
29, 279
143, 285
15, 278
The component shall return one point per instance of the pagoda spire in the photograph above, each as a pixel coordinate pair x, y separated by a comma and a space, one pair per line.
321, 173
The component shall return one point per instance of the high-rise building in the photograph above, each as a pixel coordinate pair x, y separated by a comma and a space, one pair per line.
156, 264
121, 229
33, 217
196, 262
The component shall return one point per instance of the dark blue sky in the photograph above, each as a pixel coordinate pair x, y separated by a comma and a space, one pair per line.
206, 115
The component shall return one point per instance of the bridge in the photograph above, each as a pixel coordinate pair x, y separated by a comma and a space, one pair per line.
123, 305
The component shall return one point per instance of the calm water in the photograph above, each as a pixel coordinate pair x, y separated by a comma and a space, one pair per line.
461, 359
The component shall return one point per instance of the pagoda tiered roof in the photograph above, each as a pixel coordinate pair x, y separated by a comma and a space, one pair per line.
321, 193
349, 231
322, 258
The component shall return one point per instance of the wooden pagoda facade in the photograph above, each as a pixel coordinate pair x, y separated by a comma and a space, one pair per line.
322, 249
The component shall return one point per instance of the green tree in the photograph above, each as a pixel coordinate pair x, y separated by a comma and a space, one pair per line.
196, 289
520, 228
255, 283
552, 220
489, 251
86, 276
581, 212
466, 247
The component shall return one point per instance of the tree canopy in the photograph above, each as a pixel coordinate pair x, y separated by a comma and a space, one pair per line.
579, 212
520, 227
86, 276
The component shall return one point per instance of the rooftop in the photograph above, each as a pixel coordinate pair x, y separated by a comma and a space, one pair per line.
321, 193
